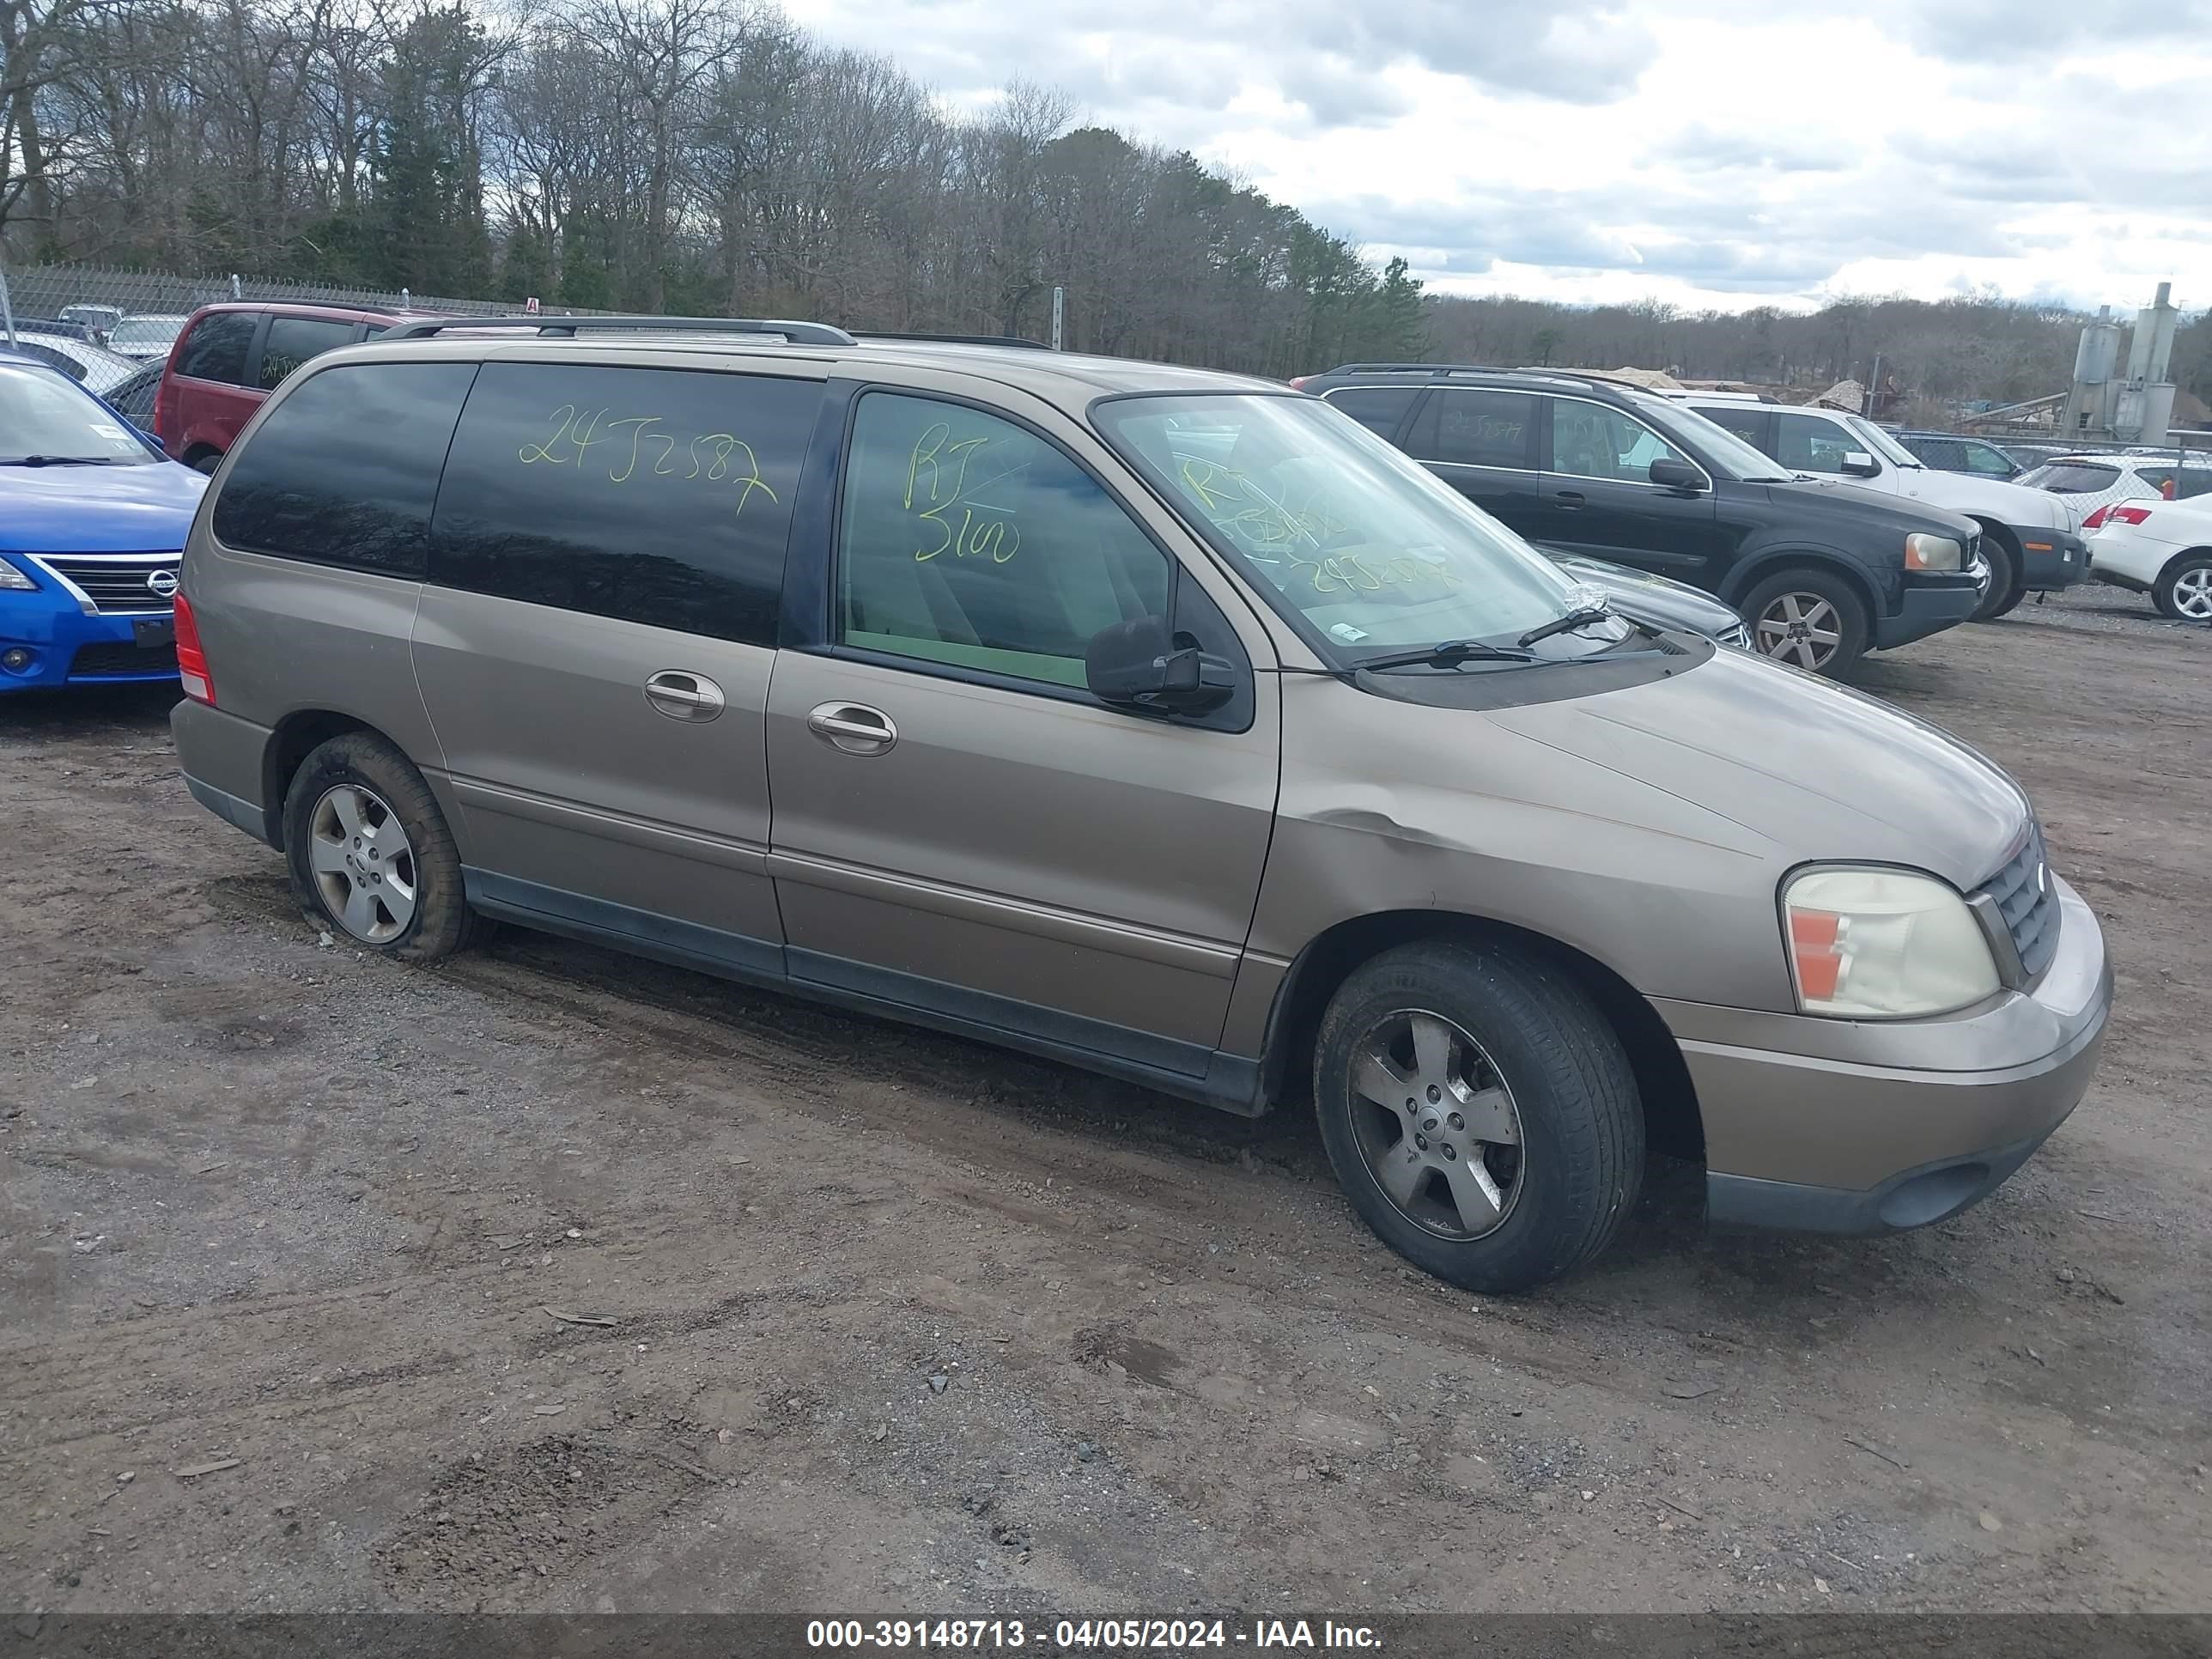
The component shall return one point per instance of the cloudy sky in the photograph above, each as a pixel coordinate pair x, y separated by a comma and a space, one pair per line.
1722, 153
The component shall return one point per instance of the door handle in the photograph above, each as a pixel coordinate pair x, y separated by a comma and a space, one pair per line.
853, 726
683, 696
1568, 497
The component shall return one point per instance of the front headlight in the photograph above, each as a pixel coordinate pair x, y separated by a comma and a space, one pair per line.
13, 581
1883, 945
1925, 552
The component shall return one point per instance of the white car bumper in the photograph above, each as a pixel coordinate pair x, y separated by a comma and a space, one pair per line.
2130, 555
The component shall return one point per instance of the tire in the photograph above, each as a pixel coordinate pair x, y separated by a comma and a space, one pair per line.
1768, 608
359, 782
206, 461
1516, 1044
2184, 590
2006, 585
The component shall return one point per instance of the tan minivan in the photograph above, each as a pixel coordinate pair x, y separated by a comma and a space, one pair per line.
1162, 721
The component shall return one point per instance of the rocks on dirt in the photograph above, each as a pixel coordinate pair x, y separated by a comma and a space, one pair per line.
939, 1382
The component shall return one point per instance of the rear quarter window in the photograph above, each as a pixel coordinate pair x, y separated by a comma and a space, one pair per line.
1381, 408
216, 349
652, 495
344, 470
2073, 477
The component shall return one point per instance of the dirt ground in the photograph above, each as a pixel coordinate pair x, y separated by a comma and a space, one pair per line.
875, 1320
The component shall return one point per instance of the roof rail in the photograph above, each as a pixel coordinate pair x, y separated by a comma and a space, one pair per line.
955, 339
1424, 368
569, 327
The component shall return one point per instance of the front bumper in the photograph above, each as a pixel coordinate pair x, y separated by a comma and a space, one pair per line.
2051, 558
63, 644
1842, 1126
1928, 606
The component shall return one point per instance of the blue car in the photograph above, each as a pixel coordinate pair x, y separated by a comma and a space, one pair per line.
92, 521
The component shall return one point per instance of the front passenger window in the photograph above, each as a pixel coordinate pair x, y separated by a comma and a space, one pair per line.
1589, 440
969, 541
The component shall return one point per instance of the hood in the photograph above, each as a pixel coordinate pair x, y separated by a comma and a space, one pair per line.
1985, 498
1816, 770
98, 509
1651, 598
1824, 497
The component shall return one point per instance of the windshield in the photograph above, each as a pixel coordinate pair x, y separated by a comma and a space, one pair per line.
43, 416
1882, 444
146, 331
1730, 452
1366, 546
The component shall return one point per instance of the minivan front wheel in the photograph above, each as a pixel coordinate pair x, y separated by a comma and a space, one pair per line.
1809, 619
1480, 1112
370, 854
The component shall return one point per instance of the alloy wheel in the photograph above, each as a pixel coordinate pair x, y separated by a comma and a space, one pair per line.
2192, 593
363, 863
1437, 1125
1799, 628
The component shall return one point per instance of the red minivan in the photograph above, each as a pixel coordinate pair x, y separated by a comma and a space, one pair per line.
229, 357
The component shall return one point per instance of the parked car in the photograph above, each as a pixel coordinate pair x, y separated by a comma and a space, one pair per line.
1588, 466
1952, 452
953, 684
91, 528
133, 400
2160, 548
1658, 599
145, 335
231, 356
2029, 541
2088, 482
98, 319
93, 366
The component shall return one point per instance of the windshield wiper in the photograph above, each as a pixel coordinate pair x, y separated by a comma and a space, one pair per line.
57, 461
1574, 619
1446, 653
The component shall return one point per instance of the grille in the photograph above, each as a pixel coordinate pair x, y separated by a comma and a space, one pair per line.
1739, 637
117, 582
114, 659
2022, 892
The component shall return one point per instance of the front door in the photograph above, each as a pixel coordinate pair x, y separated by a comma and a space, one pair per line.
960, 827
1597, 497
595, 642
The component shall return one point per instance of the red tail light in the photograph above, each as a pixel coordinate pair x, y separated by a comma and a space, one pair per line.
2125, 513
2096, 519
191, 660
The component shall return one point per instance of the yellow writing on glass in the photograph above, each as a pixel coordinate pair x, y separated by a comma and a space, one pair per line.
1271, 524
633, 440
938, 486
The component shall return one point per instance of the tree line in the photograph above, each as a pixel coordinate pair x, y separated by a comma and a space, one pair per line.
662, 155
710, 156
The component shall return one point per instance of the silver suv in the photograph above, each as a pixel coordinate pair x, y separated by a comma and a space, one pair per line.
1164, 722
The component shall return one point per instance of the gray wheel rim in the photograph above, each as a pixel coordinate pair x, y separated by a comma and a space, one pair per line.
1803, 630
363, 863
2192, 593
1437, 1125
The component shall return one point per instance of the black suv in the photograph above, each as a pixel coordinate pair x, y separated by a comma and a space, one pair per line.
1580, 464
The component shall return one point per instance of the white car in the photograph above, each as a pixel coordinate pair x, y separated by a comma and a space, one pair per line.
2160, 548
2089, 483
145, 335
2030, 538
95, 368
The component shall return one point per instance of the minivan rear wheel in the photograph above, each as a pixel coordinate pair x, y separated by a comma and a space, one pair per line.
1480, 1112
370, 854
1809, 619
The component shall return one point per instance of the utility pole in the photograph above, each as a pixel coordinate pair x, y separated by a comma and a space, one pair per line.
1058, 303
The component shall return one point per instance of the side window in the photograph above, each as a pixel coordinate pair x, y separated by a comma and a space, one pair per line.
2195, 480
1591, 441
1380, 409
344, 470
1746, 420
292, 340
1806, 443
1940, 453
1485, 429
2163, 479
1989, 463
965, 539
655, 495
216, 350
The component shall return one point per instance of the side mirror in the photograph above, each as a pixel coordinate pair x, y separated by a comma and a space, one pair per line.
1677, 475
1139, 665
1860, 465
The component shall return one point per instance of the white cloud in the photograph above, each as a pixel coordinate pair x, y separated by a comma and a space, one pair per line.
1706, 152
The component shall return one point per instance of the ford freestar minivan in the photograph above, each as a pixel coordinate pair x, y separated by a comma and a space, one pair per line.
1165, 722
